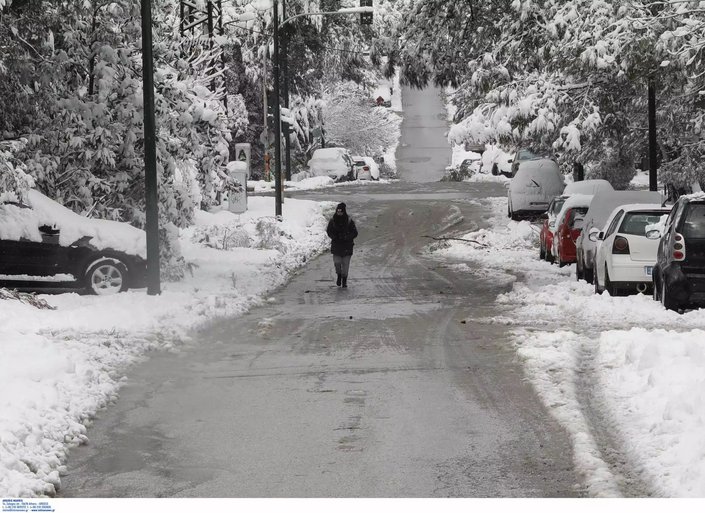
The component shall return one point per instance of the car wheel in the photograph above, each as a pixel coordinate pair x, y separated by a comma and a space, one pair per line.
106, 277
666, 299
578, 271
495, 170
609, 286
596, 282
588, 275
549, 256
542, 251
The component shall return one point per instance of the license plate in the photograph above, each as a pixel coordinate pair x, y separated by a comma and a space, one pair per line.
648, 269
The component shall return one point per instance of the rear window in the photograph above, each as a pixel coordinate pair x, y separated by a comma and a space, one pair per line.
635, 223
525, 155
694, 225
577, 212
557, 205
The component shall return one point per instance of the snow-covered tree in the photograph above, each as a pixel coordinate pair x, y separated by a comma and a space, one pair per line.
352, 121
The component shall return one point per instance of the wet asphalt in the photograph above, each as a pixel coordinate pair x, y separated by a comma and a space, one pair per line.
394, 387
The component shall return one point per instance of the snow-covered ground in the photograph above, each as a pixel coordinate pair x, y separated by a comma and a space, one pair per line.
642, 367
60, 365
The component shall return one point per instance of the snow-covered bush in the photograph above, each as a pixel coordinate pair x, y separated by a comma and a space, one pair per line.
224, 237
270, 235
14, 181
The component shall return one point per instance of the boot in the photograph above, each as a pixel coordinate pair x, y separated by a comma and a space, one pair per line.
339, 280
345, 282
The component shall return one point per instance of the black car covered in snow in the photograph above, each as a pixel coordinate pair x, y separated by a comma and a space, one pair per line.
44, 246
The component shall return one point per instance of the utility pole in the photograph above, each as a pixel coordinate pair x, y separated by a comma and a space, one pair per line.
285, 93
277, 119
150, 154
265, 133
653, 148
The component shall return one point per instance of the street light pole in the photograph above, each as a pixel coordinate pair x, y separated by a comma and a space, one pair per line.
277, 118
653, 148
150, 154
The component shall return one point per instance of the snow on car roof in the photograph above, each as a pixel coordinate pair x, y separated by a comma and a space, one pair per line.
635, 207
700, 195
572, 201
18, 222
588, 187
328, 153
605, 202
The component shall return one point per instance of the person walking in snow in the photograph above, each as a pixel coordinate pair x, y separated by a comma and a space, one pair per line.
342, 232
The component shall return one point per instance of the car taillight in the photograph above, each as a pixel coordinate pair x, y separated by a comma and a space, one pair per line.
620, 246
678, 247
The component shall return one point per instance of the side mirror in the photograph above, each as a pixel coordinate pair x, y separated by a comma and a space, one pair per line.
506, 185
653, 234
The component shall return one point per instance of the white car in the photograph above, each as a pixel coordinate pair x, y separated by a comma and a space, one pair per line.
625, 258
337, 163
533, 187
365, 168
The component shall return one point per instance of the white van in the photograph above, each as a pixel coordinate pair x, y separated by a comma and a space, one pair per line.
533, 187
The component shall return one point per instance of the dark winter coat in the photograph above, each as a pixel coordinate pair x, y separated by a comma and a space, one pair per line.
342, 231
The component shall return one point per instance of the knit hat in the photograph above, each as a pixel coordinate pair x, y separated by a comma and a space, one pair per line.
341, 206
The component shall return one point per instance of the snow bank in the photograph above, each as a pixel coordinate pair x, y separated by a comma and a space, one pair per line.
643, 366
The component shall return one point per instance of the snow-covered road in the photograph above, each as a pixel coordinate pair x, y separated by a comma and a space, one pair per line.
384, 389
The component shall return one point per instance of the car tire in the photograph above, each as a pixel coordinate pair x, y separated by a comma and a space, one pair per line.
495, 170
589, 276
655, 289
596, 283
106, 277
578, 271
666, 299
542, 251
609, 286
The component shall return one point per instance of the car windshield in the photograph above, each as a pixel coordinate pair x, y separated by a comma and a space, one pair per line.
635, 223
694, 226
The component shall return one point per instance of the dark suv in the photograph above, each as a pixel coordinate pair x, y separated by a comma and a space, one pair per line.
679, 273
